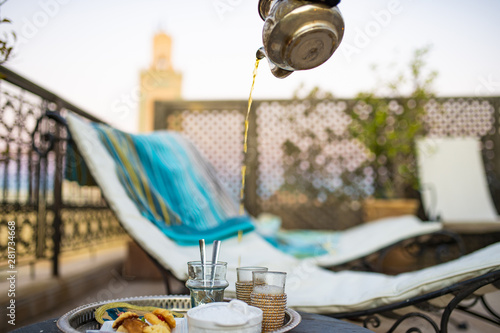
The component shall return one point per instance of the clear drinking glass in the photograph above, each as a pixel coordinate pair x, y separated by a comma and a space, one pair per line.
244, 284
207, 282
269, 295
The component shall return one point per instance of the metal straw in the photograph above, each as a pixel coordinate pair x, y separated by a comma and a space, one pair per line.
215, 258
202, 256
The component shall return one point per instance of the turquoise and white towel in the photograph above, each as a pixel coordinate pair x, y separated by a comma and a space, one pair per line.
174, 186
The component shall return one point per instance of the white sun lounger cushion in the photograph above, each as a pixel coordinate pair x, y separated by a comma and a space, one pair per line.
368, 238
327, 292
453, 181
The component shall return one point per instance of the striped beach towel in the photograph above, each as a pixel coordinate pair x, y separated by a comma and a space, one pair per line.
174, 186
75, 167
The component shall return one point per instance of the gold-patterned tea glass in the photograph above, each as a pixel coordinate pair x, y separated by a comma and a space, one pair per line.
269, 295
244, 283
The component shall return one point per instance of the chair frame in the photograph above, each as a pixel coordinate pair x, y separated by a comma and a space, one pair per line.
460, 292
442, 246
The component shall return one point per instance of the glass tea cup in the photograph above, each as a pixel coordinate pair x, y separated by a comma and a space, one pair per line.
268, 294
206, 282
244, 283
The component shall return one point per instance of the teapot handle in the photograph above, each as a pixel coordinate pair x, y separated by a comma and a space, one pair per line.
331, 3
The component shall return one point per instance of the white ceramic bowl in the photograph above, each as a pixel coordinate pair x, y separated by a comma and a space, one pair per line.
235, 316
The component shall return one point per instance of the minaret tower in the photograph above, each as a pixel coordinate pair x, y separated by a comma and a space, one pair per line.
159, 83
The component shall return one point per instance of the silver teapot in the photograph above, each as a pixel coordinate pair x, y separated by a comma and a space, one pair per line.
299, 34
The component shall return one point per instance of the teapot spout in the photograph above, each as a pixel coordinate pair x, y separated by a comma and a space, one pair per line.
260, 53
278, 72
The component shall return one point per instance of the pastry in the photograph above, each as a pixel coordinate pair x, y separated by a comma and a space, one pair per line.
155, 321
157, 329
129, 322
165, 315
124, 316
161, 320
132, 326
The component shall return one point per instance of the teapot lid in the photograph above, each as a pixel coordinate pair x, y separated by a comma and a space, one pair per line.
266, 5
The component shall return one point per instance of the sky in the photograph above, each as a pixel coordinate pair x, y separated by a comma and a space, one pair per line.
91, 52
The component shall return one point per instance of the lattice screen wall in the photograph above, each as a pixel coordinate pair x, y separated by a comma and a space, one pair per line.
459, 117
465, 117
218, 135
298, 189
281, 122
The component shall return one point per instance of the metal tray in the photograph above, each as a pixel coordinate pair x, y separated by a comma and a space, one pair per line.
82, 318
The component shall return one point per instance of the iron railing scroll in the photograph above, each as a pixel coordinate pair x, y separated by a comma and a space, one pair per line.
52, 215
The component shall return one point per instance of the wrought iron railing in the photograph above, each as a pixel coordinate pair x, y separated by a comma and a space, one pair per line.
51, 214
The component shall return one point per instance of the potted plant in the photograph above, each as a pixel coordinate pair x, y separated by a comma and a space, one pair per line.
387, 126
384, 129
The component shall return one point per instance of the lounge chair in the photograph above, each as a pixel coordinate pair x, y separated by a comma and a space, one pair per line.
309, 287
453, 184
334, 248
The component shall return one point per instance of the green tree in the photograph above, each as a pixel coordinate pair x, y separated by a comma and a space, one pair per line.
7, 39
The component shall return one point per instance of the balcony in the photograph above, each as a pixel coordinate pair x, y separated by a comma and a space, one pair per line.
321, 186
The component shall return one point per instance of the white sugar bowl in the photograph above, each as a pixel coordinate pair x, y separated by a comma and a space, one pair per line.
235, 316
